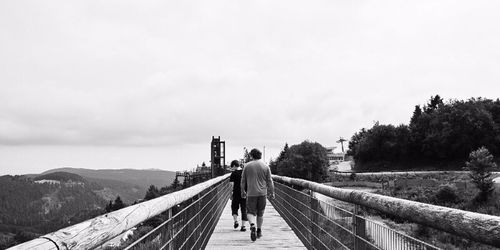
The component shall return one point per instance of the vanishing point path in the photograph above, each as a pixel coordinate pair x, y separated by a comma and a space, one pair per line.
276, 234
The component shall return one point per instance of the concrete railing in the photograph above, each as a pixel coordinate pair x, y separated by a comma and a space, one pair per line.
478, 227
97, 231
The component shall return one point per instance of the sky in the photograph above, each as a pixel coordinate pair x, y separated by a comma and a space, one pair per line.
128, 84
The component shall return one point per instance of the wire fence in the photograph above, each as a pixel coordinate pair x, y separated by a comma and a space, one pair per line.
192, 226
322, 225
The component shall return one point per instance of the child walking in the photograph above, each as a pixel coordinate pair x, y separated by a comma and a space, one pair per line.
237, 201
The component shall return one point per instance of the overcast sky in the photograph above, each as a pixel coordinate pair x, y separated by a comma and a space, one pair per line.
128, 84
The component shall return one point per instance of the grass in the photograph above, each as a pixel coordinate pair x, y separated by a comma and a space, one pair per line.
445, 194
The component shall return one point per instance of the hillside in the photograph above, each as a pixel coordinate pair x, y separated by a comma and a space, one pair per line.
31, 208
130, 184
110, 189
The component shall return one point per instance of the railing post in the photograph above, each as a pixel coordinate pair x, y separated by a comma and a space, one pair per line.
358, 229
314, 220
167, 233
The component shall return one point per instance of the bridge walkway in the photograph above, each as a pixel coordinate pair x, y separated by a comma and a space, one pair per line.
276, 234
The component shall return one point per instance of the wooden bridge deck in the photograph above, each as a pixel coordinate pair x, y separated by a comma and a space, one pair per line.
276, 234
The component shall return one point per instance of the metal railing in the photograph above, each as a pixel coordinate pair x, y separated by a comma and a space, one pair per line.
190, 228
321, 225
481, 228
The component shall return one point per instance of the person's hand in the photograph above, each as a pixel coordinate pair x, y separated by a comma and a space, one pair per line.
243, 195
271, 196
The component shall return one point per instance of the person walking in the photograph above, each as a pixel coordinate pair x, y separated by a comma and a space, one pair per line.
256, 176
237, 201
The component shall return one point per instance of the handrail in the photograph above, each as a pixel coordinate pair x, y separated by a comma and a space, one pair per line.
404, 173
97, 231
479, 227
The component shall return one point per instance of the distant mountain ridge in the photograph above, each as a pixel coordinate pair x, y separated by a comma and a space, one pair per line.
60, 176
130, 184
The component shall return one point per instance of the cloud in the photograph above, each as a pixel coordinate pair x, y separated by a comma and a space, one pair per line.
156, 74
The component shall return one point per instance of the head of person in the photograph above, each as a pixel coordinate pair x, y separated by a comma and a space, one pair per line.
255, 154
235, 164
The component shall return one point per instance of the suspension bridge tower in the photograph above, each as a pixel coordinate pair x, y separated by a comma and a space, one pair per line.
218, 156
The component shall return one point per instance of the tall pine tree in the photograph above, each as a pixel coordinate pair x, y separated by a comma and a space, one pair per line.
118, 203
274, 164
152, 193
480, 165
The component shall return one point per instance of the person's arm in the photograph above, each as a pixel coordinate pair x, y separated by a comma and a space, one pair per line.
270, 184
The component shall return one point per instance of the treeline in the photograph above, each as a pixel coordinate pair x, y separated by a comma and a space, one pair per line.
307, 160
440, 135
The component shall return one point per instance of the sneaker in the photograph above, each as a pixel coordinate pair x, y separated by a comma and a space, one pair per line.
259, 233
243, 229
236, 224
253, 235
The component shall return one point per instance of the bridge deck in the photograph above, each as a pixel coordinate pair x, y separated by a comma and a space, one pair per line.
276, 234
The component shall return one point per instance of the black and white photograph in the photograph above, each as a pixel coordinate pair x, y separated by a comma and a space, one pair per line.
250, 124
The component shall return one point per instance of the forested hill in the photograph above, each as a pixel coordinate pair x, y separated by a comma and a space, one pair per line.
32, 205
139, 177
28, 208
440, 136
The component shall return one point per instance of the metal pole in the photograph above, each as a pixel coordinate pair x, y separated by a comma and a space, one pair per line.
264, 153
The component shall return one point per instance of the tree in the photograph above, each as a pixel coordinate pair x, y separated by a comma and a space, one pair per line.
246, 156
165, 190
480, 165
23, 236
433, 104
307, 160
176, 184
152, 193
380, 145
109, 207
274, 164
283, 153
113, 206
416, 115
356, 141
185, 183
455, 129
118, 204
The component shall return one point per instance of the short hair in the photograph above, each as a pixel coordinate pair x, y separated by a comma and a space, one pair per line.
235, 163
255, 154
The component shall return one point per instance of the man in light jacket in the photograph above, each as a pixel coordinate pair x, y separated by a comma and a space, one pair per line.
257, 178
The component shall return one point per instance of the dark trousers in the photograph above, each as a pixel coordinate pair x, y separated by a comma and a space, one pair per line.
239, 203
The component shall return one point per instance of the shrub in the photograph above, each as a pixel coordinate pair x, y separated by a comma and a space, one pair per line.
480, 165
352, 177
421, 231
446, 194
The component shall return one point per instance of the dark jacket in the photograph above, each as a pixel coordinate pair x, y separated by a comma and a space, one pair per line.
236, 179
